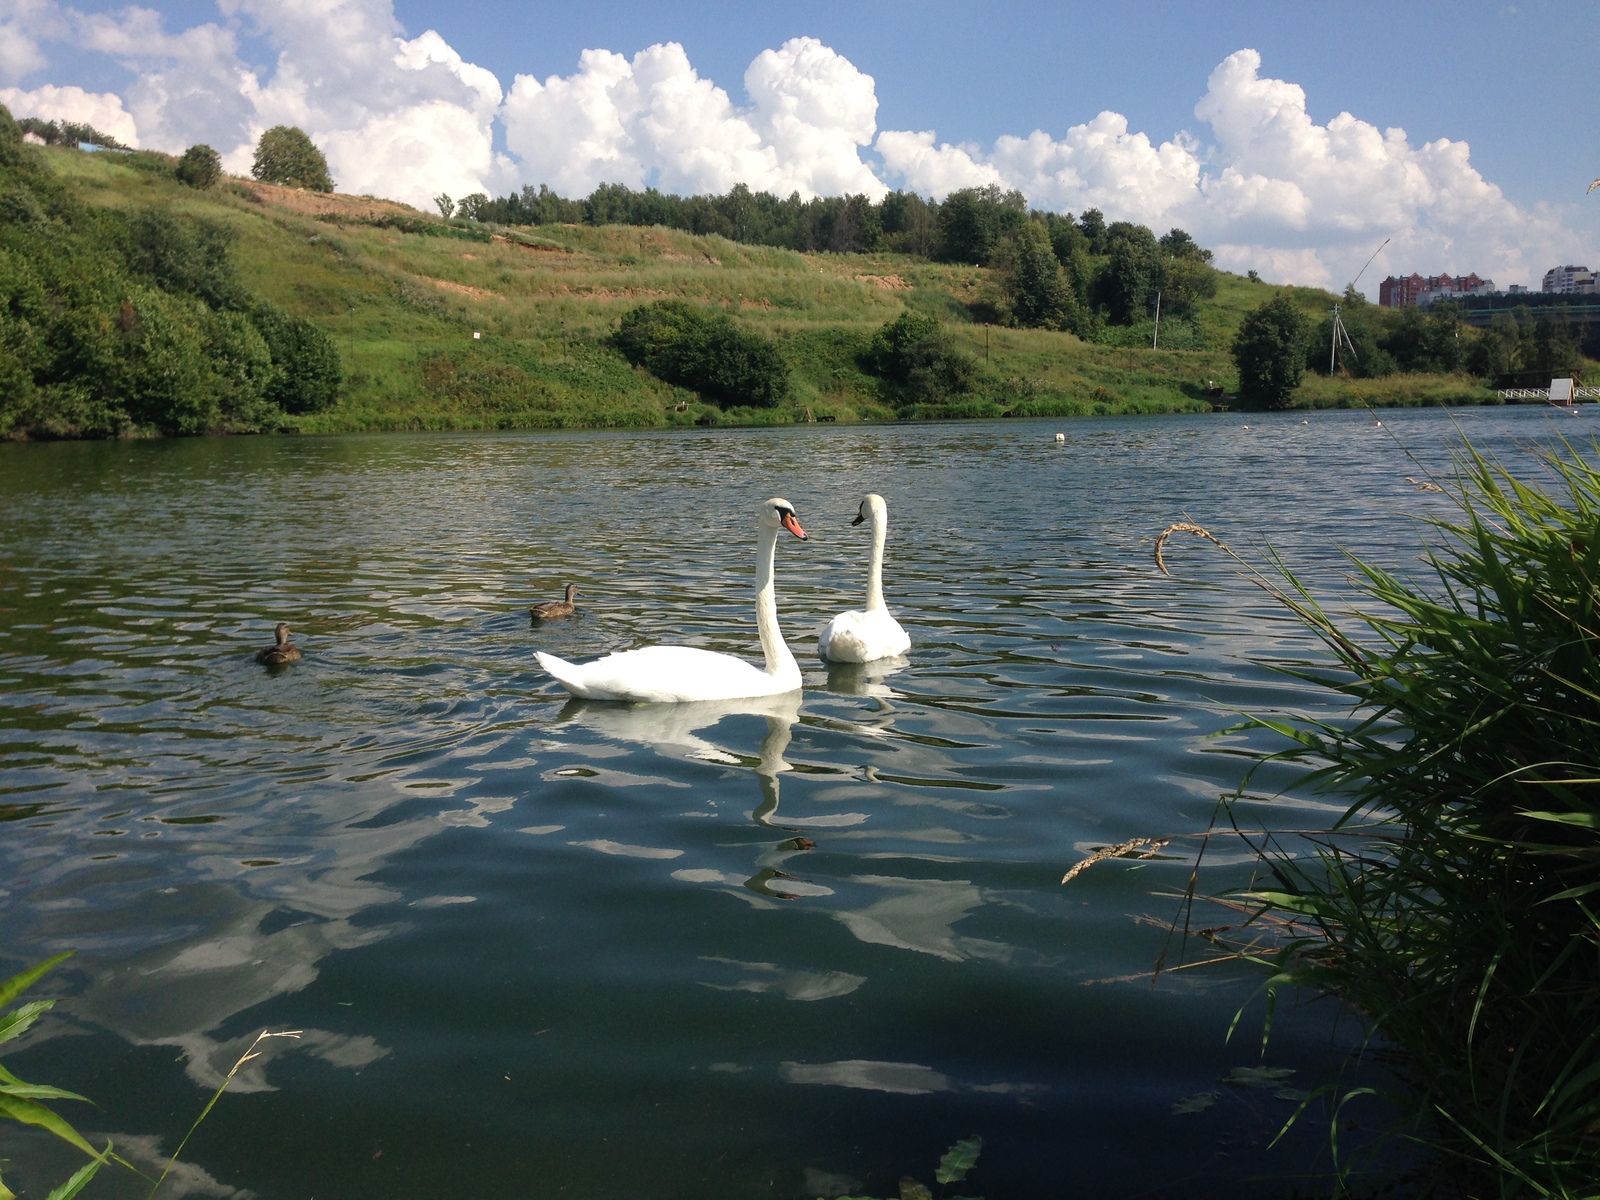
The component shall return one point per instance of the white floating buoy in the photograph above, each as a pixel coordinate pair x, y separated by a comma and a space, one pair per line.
1061, 437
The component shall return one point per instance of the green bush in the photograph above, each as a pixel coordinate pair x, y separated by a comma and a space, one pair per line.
200, 166
916, 364
163, 376
705, 352
307, 374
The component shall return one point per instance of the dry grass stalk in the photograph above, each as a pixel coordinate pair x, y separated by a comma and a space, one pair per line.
249, 1054
1423, 485
1183, 527
1132, 848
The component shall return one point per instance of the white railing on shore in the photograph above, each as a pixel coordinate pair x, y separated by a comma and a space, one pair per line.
1583, 393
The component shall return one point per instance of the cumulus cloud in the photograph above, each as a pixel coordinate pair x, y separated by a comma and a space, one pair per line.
103, 110
1263, 184
653, 120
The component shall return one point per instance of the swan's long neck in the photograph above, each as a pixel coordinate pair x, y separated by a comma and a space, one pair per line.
880, 533
780, 661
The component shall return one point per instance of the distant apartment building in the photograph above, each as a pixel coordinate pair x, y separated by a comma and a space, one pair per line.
1423, 290
1569, 281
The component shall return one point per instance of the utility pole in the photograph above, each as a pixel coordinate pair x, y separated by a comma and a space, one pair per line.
1333, 342
1155, 338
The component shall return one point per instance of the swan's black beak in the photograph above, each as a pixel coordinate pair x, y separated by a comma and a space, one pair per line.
788, 521
860, 517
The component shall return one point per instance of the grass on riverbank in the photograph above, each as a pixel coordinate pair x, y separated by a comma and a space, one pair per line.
402, 293
1456, 904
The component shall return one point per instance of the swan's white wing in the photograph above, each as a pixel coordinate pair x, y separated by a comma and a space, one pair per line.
862, 637
664, 675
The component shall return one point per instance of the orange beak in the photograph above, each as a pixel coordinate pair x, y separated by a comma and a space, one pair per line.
793, 526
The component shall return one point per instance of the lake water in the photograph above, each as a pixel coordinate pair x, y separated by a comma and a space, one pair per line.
774, 949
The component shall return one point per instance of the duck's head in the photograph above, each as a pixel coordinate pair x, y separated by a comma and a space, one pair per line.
873, 508
779, 514
572, 590
283, 632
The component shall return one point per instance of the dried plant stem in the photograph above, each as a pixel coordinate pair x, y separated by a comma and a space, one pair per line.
1187, 527
252, 1052
1132, 848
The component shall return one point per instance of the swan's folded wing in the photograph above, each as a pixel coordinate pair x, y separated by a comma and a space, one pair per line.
862, 637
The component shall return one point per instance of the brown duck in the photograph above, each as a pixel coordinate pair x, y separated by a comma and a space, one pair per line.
551, 609
279, 652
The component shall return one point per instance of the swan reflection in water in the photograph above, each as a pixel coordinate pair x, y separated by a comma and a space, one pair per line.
673, 730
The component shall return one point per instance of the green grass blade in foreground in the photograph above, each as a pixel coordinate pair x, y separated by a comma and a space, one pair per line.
22, 981
81, 1177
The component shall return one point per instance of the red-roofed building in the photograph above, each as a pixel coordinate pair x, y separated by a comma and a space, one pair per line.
1424, 290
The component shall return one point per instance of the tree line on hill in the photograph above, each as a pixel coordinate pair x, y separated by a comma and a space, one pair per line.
1053, 271
118, 320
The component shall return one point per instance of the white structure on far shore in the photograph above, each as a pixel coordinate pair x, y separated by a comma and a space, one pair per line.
1569, 281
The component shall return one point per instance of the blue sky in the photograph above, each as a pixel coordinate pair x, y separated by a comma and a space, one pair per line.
1483, 73
1273, 181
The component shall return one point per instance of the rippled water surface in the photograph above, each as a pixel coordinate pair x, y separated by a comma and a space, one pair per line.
776, 948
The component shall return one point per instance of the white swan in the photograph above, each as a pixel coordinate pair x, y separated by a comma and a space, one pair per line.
864, 636
681, 674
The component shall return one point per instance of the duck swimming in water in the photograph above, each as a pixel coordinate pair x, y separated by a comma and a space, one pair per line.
552, 609
279, 652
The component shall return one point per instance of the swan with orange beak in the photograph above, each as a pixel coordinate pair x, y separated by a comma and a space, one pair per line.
684, 674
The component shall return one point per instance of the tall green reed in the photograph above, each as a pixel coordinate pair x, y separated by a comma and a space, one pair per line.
1456, 902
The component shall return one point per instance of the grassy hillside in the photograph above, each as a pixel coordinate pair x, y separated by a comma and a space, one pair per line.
402, 294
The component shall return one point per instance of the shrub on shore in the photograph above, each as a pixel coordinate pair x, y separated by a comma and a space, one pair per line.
704, 352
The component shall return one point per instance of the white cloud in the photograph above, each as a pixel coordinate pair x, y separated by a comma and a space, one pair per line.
653, 119
102, 110
23, 25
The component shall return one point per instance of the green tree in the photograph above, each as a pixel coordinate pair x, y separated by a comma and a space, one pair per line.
200, 166
1185, 282
285, 155
1270, 352
1554, 351
1093, 224
10, 139
1424, 341
1178, 244
1126, 287
1038, 292
916, 363
973, 220
908, 223
1496, 353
